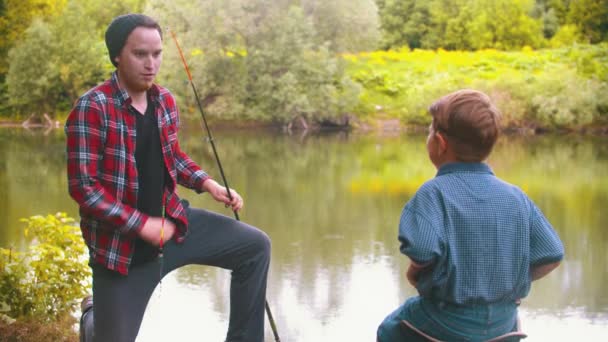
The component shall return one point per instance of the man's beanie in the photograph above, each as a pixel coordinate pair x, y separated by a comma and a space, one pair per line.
119, 29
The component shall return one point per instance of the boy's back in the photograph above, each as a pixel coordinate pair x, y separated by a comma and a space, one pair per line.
480, 233
475, 243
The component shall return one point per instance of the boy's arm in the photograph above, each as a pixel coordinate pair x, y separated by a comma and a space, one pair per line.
546, 248
414, 271
539, 271
419, 241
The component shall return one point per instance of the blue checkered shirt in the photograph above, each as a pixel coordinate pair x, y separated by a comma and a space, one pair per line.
480, 235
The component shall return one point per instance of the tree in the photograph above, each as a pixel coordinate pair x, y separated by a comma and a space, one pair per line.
454, 21
507, 24
348, 25
101, 13
55, 63
254, 59
405, 23
478, 24
31, 76
544, 11
15, 17
591, 16
473, 24
79, 55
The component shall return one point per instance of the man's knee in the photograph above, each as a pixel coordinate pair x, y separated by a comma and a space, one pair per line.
263, 243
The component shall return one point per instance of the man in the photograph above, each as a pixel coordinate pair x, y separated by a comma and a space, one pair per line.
124, 163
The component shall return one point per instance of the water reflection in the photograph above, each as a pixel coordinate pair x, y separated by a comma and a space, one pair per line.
330, 204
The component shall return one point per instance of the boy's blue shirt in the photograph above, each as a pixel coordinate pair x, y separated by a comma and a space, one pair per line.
479, 234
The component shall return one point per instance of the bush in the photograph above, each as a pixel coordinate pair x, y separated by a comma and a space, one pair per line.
564, 88
44, 283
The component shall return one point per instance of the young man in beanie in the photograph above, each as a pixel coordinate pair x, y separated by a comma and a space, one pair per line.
124, 164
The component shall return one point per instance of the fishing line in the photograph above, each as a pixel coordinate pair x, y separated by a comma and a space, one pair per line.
219, 164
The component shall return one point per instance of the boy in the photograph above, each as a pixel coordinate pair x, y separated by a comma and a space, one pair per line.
475, 242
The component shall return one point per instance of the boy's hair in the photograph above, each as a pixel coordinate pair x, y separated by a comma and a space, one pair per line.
469, 121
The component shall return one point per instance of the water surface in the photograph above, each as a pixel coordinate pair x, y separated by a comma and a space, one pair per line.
331, 203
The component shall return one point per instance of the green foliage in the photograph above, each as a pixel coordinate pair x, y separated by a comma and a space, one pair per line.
500, 24
57, 57
275, 60
405, 22
44, 282
101, 13
561, 88
566, 35
55, 63
15, 18
80, 59
479, 24
347, 25
567, 101
255, 60
591, 17
31, 79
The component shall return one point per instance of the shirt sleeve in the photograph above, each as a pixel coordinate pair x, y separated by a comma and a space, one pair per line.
545, 245
418, 237
189, 173
85, 130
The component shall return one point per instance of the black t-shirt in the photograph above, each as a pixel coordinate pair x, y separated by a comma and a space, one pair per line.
151, 175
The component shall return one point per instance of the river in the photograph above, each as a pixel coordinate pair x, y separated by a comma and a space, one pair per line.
331, 204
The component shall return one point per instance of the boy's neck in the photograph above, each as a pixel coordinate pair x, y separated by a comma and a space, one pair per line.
454, 160
446, 158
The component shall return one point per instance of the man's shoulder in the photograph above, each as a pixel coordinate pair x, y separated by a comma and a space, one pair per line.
163, 93
99, 93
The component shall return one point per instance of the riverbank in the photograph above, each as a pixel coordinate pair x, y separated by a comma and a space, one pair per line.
382, 126
61, 330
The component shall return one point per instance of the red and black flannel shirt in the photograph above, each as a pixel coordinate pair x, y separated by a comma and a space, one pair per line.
102, 175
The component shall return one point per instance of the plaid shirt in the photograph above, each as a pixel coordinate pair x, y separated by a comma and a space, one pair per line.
102, 174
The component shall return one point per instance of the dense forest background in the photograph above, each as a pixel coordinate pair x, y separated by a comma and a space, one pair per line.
328, 62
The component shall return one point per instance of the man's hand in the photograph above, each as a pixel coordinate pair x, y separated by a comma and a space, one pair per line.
219, 193
151, 230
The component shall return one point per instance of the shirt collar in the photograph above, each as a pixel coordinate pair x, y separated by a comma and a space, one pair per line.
464, 167
123, 96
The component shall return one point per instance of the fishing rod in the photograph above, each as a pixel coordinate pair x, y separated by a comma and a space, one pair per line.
219, 164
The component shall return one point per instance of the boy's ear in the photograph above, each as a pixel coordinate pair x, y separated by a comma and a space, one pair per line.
443, 142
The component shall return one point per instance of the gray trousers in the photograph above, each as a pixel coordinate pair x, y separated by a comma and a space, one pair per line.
119, 301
